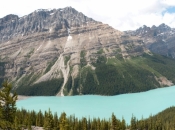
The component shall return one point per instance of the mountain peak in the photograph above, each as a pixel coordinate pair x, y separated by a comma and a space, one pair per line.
144, 26
8, 18
42, 20
164, 26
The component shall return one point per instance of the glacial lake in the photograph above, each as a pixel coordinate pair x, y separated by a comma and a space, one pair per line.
138, 104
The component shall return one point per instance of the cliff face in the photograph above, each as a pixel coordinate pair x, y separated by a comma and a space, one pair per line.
58, 44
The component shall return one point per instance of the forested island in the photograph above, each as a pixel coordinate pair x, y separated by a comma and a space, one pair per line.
12, 118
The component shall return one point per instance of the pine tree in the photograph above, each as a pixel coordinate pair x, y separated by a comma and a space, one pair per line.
39, 119
1, 121
33, 116
150, 125
133, 123
84, 124
98, 124
123, 124
56, 122
16, 123
48, 121
63, 122
114, 122
89, 123
29, 123
76, 126
7, 106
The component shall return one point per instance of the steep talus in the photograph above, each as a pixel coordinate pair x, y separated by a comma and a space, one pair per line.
63, 52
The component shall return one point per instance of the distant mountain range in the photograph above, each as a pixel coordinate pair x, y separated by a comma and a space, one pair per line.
63, 52
160, 40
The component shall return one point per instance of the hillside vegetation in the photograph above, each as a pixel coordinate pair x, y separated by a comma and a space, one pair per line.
114, 76
111, 76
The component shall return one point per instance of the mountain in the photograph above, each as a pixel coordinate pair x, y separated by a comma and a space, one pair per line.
160, 39
63, 52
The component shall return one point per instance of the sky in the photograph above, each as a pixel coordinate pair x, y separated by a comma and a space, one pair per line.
120, 14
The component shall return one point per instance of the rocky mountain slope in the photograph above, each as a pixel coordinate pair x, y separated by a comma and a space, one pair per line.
160, 39
63, 52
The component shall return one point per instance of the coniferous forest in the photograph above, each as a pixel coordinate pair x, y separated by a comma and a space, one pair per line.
112, 76
12, 118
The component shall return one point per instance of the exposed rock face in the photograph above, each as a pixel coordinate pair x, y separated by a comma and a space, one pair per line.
41, 20
48, 44
159, 39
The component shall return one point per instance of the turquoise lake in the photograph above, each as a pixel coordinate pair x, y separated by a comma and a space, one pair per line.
138, 104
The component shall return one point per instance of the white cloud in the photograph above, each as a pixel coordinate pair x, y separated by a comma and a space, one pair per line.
169, 2
121, 14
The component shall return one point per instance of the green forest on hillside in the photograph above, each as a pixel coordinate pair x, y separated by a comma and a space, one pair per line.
112, 76
45, 88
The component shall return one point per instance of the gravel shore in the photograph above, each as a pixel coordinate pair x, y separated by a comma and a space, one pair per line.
21, 97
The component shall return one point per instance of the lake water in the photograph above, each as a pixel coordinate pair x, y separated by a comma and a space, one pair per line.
139, 104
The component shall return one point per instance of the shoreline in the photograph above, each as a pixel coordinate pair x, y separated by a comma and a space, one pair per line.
22, 97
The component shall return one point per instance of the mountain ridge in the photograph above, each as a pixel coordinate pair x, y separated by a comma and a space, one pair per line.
73, 54
158, 39
41, 21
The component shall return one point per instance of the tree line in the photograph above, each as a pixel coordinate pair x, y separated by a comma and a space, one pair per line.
12, 118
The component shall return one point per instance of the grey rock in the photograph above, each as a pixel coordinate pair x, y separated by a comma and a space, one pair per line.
11, 26
158, 39
35, 46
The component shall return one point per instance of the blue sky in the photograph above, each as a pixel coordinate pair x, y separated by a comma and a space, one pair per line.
171, 9
120, 14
